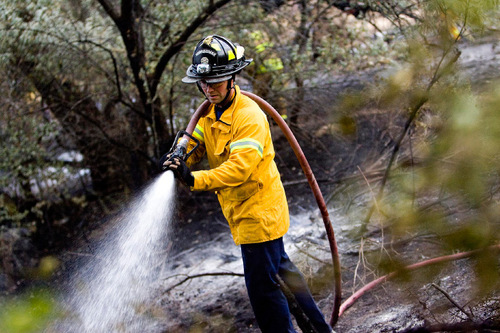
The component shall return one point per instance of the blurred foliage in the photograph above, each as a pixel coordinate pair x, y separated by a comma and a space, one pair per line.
35, 308
445, 179
28, 313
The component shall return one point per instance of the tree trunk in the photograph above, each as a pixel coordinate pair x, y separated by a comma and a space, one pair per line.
111, 145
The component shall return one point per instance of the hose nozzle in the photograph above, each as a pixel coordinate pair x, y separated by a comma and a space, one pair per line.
179, 148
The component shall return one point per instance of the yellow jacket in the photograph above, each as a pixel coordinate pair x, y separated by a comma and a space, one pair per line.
242, 172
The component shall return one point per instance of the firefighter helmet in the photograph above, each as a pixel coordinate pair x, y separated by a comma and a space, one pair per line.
216, 59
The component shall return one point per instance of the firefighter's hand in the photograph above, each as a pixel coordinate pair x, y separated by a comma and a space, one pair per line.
181, 170
165, 161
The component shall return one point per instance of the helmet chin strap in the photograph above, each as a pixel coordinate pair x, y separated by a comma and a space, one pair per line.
229, 88
199, 88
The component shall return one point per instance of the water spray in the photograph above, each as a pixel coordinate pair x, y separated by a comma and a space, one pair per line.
113, 291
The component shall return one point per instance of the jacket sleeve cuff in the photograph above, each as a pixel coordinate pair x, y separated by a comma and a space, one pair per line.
199, 184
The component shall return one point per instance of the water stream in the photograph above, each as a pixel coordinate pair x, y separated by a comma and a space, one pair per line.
111, 292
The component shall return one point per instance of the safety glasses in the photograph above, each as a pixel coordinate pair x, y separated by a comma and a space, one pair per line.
205, 85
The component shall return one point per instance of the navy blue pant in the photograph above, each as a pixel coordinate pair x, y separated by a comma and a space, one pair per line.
261, 262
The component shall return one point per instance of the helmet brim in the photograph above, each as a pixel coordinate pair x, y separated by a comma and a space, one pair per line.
193, 78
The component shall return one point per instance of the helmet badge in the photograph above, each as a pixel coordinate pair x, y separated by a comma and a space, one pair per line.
203, 67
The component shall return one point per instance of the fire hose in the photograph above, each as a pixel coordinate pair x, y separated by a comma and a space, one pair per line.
180, 150
338, 308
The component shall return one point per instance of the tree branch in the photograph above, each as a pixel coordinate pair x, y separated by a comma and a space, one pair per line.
189, 277
133, 40
439, 71
453, 301
181, 40
303, 321
115, 65
108, 7
127, 7
355, 296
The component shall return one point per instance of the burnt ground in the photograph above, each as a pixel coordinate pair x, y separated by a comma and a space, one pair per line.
433, 297
201, 288
194, 296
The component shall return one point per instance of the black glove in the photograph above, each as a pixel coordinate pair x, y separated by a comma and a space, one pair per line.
181, 171
162, 160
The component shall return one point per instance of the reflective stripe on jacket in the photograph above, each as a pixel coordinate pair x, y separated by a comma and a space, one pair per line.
242, 171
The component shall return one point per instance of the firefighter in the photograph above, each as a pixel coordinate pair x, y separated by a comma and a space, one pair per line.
235, 136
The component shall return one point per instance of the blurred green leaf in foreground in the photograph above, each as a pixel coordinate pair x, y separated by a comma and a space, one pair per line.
27, 313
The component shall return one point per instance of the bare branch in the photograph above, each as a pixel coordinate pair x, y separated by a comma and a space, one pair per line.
469, 315
352, 299
108, 7
189, 277
303, 320
439, 71
181, 40
113, 59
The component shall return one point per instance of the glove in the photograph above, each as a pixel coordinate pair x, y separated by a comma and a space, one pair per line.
181, 171
163, 159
